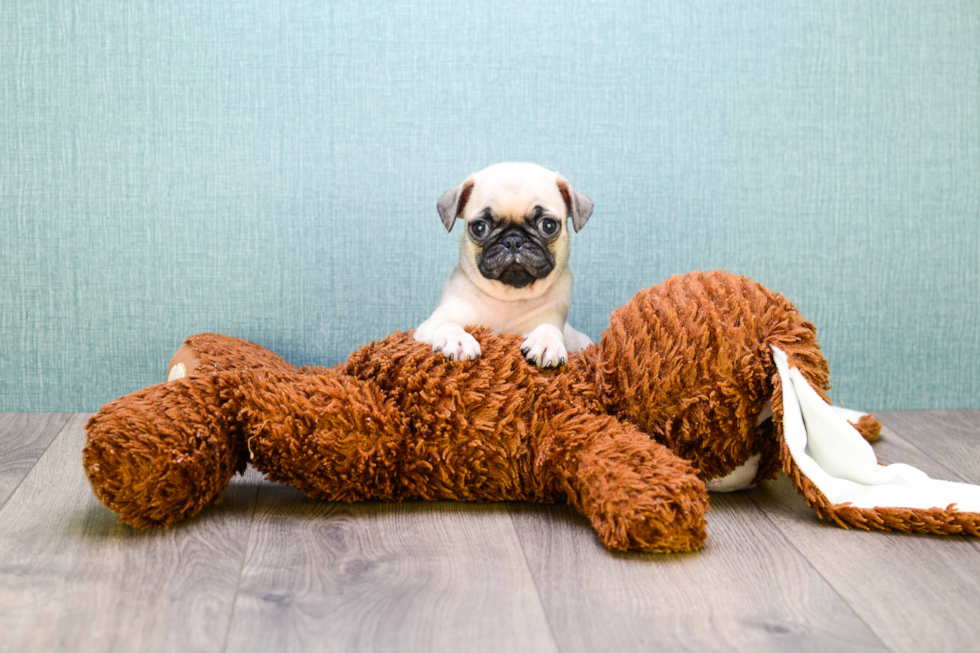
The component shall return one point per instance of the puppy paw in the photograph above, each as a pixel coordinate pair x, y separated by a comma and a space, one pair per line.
455, 343
545, 347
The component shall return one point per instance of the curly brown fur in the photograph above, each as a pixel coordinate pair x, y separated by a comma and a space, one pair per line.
161, 454
689, 362
214, 352
868, 427
627, 432
400, 422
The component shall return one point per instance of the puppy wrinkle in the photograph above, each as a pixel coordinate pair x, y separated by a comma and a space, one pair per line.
503, 292
495, 258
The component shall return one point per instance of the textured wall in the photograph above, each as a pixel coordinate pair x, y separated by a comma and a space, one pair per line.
269, 170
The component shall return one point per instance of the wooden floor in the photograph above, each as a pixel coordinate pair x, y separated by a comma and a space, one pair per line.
269, 570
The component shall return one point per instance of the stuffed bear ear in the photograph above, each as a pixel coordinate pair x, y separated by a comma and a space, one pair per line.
836, 470
453, 201
579, 206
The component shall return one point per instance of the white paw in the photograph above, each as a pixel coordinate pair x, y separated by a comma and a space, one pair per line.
545, 347
455, 343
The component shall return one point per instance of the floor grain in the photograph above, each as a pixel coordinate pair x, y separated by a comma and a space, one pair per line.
270, 570
952, 438
385, 577
23, 438
916, 592
71, 578
747, 590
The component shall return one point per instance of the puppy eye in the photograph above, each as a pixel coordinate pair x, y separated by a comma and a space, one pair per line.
548, 226
478, 228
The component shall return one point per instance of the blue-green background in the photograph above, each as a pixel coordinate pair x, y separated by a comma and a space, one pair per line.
270, 169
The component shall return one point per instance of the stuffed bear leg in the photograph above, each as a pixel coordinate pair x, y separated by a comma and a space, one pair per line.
333, 436
161, 454
637, 494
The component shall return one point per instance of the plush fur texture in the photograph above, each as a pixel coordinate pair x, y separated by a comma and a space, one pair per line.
627, 432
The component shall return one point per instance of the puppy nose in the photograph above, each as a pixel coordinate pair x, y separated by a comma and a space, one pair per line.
513, 242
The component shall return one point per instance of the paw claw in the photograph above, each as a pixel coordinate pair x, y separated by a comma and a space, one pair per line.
455, 343
545, 347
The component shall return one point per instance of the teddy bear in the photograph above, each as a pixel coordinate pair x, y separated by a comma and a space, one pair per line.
707, 380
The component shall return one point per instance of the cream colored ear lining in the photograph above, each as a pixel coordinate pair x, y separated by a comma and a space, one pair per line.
178, 371
841, 463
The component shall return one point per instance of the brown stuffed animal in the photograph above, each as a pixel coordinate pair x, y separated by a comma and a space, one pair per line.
628, 431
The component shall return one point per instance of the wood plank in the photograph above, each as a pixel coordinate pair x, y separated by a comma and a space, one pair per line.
454, 576
916, 592
23, 438
950, 437
71, 578
748, 589
893, 448
380, 576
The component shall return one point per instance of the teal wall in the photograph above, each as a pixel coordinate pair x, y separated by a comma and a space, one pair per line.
270, 169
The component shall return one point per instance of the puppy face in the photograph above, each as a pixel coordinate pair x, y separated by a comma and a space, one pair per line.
516, 223
516, 249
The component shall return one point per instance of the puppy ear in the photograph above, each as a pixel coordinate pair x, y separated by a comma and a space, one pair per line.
579, 206
453, 201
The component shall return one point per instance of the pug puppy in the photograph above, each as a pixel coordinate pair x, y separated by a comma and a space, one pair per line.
513, 274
